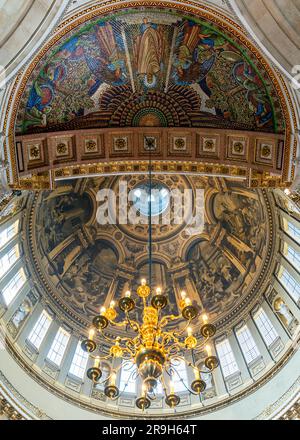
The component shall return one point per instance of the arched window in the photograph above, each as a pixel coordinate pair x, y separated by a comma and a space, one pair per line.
79, 362
127, 378
14, 286
105, 368
227, 359
290, 284
206, 376
293, 257
58, 347
247, 344
265, 327
8, 233
8, 260
180, 377
40, 330
293, 231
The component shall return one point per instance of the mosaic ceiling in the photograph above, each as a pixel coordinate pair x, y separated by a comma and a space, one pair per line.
150, 68
83, 264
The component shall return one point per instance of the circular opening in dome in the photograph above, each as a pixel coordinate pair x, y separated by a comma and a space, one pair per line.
155, 194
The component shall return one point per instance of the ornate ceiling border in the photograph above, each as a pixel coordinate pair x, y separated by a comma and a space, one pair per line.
16, 406
283, 404
185, 6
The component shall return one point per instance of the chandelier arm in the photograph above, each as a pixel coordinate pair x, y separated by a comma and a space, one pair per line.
114, 370
199, 347
167, 337
106, 338
176, 346
185, 386
168, 318
105, 380
101, 358
193, 366
133, 324
127, 349
118, 324
123, 391
180, 333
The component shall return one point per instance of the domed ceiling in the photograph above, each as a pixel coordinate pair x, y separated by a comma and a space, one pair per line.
83, 265
149, 68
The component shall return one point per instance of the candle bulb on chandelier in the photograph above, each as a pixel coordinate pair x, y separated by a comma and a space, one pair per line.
158, 291
112, 304
127, 294
91, 334
208, 350
144, 390
113, 378
189, 331
183, 294
97, 362
172, 387
188, 302
102, 311
205, 318
143, 282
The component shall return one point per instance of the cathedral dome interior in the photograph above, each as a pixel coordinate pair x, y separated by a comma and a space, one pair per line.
149, 212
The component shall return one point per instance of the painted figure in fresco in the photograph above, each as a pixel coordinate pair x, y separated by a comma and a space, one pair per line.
149, 50
227, 84
89, 277
112, 54
242, 217
197, 51
63, 215
96, 56
214, 276
247, 77
195, 55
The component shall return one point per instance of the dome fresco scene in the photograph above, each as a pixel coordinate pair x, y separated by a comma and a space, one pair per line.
149, 212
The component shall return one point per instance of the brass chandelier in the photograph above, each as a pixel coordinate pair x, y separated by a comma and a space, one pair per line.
153, 349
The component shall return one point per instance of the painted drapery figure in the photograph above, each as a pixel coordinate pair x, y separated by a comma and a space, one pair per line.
149, 51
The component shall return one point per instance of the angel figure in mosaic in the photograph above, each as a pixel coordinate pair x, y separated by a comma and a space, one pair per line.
149, 53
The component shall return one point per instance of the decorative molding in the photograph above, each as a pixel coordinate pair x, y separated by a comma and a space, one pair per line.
16, 406
282, 404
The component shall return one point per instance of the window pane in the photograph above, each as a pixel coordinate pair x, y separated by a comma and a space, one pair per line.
8, 233
290, 284
59, 346
126, 377
294, 232
181, 376
293, 257
207, 377
14, 286
8, 260
227, 359
247, 343
265, 327
105, 375
79, 362
40, 329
